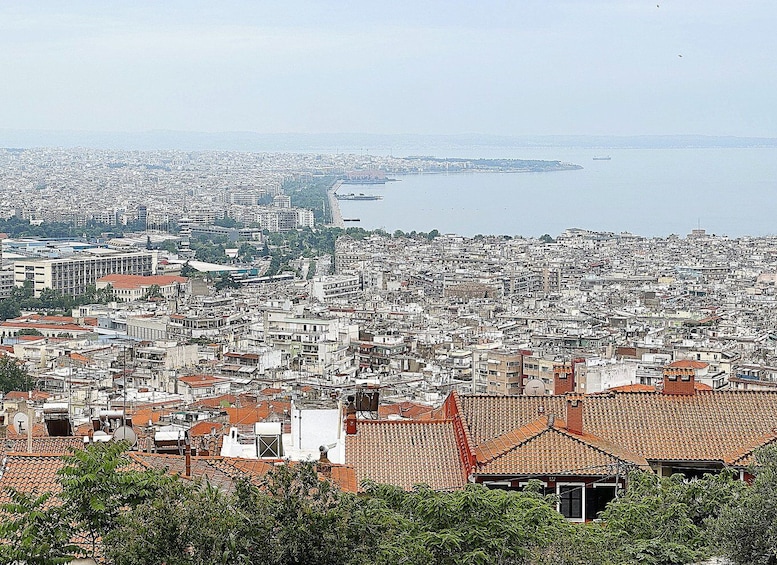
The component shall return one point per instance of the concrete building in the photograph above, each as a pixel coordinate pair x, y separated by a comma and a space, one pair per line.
72, 275
335, 287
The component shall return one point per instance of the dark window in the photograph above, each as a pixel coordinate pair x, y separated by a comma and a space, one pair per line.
571, 501
596, 500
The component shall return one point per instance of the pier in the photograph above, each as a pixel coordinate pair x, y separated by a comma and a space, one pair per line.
334, 206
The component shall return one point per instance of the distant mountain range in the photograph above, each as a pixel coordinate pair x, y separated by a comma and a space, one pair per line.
396, 144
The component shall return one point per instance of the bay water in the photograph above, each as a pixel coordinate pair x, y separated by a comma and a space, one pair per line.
650, 192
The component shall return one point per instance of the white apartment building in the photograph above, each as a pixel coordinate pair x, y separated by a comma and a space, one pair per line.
318, 345
73, 274
335, 287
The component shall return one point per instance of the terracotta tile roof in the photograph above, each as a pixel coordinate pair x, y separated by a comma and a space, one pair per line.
545, 446
35, 395
651, 388
556, 452
345, 477
215, 402
744, 456
198, 381
706, 426
30, 473
38, 430
688, 364
258, 413
633, 388
412, 410
140, 281
204, 428
201, 468
54, 445
406, 453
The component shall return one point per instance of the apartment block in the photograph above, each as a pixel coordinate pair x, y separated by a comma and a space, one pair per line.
73, 274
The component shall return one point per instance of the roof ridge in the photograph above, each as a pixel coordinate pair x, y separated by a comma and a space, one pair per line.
508, 441
744, 451
603, 446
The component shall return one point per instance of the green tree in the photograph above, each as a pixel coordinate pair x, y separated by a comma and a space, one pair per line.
187, 270
33, 532
298, 518
184, 524
225, 280
9, 309
664, 520
154, 291
474, 525
98, 485
746, 529
14, 376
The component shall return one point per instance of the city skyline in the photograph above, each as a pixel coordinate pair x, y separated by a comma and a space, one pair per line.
559, 68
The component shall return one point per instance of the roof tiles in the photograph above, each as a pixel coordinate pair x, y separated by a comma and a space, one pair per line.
406, 453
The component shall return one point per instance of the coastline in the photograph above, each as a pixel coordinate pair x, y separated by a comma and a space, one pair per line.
334, 206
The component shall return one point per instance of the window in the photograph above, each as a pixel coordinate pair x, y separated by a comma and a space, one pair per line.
597, 499
571, 500
269, 446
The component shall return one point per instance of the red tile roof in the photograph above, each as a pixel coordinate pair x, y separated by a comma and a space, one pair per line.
405, 453
688, 364
546, 447
30, 473
411, 410
706, 426
35, 395
52, 445
139, 281
199, 381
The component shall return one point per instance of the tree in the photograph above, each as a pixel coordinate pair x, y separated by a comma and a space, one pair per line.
298, 518
154, 291
98, 485
746, 529
33, 533
546, 238
474, 525
185, 523
225, 280
187, 270
14, 376
664, 520
9, 309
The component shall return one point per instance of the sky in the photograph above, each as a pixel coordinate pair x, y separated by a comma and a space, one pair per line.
540, 67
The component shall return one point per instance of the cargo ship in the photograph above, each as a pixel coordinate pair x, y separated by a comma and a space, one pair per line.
602, 158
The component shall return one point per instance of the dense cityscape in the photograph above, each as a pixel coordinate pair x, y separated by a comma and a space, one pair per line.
193, 306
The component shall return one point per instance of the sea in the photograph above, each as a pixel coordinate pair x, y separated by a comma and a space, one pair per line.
648, 192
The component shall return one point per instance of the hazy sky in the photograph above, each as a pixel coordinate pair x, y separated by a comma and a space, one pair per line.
541, 67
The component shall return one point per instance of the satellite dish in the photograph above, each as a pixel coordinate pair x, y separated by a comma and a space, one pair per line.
126, 433
20, 422
534, 387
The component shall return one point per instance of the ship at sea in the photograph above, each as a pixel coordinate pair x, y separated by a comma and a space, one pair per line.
602, 158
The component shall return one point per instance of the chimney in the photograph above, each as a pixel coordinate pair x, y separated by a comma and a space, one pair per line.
575, 415
563, 379
679, 381
350, 416
324, 464
188, 451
